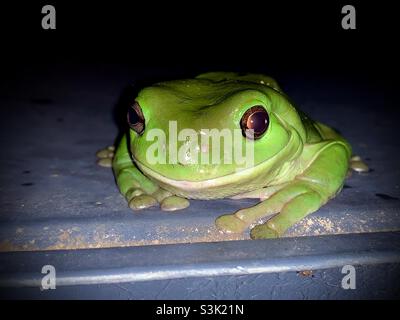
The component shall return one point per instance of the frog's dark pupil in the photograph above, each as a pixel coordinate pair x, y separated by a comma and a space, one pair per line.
254, 122
133, 116
258, 121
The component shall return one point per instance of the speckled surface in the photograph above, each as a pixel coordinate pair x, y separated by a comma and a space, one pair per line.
54, 196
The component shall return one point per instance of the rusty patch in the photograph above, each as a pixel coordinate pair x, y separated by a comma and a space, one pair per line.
305, 273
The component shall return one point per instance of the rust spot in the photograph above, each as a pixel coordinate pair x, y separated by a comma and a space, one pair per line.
305, 273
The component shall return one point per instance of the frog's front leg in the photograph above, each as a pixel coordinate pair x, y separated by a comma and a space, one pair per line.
305, 194
139, 190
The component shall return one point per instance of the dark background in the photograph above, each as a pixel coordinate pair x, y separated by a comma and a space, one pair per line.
160, 40
191, 36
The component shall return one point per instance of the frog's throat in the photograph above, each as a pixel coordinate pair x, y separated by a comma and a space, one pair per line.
292, 150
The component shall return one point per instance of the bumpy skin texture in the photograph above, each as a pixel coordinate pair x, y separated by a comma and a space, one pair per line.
299, 164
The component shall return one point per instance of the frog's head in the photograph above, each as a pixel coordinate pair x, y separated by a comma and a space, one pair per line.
176, 127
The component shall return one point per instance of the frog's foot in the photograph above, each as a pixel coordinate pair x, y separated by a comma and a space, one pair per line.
263, 231
358, 165
173, 203
139, 200
139, 190
288, 206
170, 202
230, 223
240, 220
142, 201
105, 156
295, 200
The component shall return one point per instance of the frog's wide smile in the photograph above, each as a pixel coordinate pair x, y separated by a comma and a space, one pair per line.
293, 148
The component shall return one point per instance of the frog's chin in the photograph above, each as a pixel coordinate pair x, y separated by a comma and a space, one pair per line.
170, 183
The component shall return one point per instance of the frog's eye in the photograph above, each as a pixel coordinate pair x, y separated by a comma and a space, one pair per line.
136, 118
254, 122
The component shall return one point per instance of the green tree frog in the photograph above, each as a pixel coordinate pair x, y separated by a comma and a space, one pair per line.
297, 164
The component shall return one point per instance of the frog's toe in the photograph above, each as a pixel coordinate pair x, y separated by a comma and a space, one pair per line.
161, 194
133, 192
105, 156
230, 223
106, 152
105, 162
263, 231
358, 165
174, 203
142, 202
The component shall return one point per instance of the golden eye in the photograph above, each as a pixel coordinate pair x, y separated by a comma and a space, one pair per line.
136, 118
256, 118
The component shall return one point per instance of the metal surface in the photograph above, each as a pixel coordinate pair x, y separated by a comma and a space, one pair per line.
373, 282
114, 268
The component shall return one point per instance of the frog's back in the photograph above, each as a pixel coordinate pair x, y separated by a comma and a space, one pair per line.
317, 132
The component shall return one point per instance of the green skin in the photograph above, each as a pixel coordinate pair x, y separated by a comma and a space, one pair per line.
299, 164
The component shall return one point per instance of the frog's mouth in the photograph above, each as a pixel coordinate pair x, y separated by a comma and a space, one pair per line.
195, 185
292, 150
